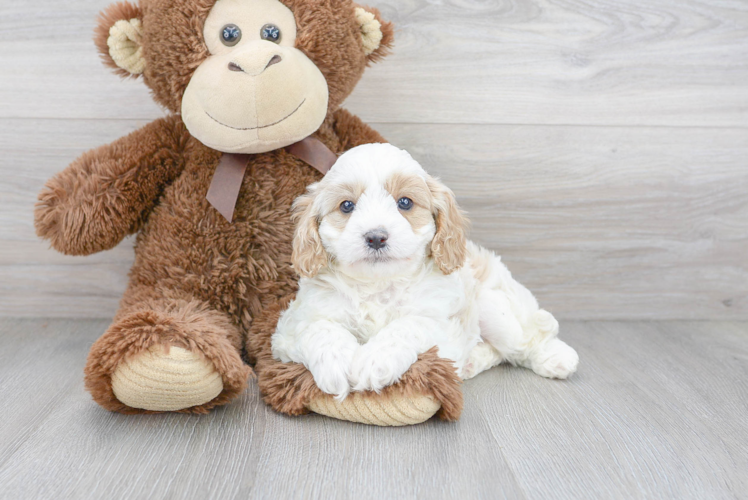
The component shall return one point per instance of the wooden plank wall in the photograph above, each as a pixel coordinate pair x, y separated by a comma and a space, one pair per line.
601, 146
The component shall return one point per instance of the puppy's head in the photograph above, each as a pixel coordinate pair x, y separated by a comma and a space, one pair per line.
377, 213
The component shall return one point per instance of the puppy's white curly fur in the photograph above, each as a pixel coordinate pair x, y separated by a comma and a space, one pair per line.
365, 311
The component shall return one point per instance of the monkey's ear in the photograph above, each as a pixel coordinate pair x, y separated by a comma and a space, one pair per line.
377, 35
118, 37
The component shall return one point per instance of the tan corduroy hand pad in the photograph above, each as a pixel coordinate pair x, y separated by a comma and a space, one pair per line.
125, 46
371, 30
394, 411
157, 381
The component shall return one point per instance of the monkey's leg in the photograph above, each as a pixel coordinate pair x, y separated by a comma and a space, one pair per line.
429, 387
166, 352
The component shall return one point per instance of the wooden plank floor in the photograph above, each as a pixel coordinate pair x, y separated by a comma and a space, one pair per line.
657, 410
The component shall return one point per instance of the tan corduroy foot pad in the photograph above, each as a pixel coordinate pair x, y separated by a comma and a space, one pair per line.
157, 381
394, 411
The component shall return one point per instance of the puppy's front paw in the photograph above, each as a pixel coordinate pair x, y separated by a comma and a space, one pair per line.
331, 371
375, 367
555, 360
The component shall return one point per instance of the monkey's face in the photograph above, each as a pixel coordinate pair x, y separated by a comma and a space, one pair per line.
248, 76
256, 91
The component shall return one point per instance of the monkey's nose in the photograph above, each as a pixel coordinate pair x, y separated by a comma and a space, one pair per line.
376, 239
273, 60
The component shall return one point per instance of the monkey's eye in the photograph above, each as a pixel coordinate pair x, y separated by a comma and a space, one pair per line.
271, 33
230, 35
404, 203
347, 206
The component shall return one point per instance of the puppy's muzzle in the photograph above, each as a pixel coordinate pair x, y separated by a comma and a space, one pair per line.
376, 239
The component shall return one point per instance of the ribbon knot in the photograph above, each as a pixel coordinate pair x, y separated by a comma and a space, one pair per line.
227, 179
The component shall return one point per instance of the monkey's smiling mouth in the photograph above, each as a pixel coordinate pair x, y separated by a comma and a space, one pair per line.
261, 126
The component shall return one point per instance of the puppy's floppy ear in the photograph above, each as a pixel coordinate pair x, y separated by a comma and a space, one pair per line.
118, 37
308, 255
449, 246
377, 34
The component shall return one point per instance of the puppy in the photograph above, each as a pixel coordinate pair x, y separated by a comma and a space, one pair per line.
387, 273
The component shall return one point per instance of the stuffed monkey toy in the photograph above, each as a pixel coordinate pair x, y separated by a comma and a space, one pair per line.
253, 89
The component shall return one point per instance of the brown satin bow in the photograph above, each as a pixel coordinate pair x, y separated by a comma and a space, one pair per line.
227, 179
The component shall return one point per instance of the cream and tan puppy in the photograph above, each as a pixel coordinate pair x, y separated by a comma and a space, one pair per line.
387, 274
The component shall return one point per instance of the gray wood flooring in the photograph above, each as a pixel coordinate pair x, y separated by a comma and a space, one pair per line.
657, 410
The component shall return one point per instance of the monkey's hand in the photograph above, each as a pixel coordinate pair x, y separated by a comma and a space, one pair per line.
108, 192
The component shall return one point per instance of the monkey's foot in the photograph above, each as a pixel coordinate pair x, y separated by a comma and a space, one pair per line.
430, 387
167, 355
166, 378
394, 410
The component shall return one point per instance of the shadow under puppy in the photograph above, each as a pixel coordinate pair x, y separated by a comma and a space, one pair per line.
387, 273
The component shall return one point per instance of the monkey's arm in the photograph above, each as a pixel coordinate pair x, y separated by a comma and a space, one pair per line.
108, 192
352, 131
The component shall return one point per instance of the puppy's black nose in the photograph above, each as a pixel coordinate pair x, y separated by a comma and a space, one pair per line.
376, 239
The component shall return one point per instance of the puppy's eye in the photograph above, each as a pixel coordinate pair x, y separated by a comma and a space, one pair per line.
230, 35
347, 206
271, 33
404, 203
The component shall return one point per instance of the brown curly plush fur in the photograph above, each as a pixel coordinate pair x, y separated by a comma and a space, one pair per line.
198, 281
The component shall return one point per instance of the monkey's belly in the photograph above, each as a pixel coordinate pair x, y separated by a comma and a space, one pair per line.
187, 246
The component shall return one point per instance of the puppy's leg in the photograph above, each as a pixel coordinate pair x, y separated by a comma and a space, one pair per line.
512, 322
482, 357
534, 344
326, 349
387, 356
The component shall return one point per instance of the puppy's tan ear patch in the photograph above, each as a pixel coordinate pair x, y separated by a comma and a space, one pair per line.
118, 37
449, 246
309, 254
377, 35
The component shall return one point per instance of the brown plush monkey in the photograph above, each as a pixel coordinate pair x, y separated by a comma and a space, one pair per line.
247, 77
